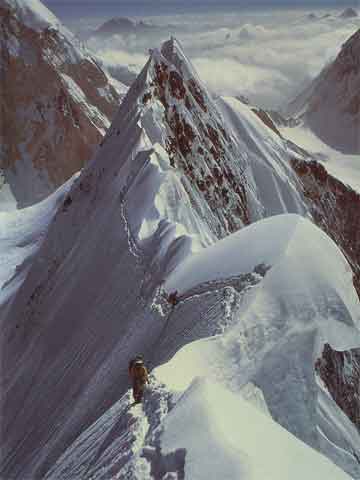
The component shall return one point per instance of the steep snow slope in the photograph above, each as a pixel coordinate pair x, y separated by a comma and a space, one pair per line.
56, 104
297, 180
197, 439
269, 158
245, 444
296, 309
331, 105
175, 173
221, 167
273, 338
21, 234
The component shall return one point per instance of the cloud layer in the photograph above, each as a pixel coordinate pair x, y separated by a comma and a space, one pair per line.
266, 55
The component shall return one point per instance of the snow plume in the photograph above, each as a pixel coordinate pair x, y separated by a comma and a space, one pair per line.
267, 56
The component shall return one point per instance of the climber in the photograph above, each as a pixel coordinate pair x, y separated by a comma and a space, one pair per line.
173, 298
139, 376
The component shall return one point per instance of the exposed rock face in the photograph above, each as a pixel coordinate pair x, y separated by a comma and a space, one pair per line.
204, 151
211, 166
57, 106
281, 121
266, 118
340, 372
201, 150
334, 208
331, 106
196, 141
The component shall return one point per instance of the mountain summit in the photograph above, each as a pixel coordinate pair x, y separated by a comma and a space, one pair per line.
349, 13
121, 26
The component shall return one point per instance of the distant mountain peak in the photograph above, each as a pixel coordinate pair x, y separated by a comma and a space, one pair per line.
121, 26
349, 13
114, 24
120, 21
331, 104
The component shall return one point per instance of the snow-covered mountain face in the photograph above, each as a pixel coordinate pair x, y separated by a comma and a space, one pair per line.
56, 106
222, 171
179, 171
331, 105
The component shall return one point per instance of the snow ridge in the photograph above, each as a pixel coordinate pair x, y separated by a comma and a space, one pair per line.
139, 223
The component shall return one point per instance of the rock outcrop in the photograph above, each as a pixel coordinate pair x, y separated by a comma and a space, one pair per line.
333, 207
340, 372
56, 104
